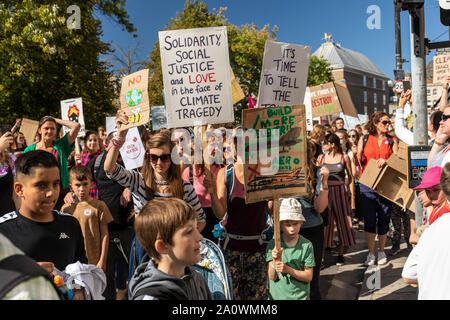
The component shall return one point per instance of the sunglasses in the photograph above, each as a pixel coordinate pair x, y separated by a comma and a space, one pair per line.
385, 122
445, 117
164, 157
352, 136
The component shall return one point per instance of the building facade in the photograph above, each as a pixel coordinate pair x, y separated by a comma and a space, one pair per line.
368, 85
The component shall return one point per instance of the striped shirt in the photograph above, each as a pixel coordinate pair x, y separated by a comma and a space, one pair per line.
134, 181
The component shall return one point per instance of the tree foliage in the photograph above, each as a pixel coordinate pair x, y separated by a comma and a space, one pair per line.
319, 72
42, 61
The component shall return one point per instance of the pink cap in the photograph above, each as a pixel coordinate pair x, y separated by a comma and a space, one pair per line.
430, 178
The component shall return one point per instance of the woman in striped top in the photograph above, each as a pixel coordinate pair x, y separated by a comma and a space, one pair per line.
159, 176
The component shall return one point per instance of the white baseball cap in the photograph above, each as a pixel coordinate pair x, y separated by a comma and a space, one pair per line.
291, 209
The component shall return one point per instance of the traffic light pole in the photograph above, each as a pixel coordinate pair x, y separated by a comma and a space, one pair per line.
418, 78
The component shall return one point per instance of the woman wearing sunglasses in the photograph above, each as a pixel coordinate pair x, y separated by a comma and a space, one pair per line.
377, 210
159, 177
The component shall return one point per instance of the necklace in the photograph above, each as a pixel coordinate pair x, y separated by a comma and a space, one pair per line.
162, 182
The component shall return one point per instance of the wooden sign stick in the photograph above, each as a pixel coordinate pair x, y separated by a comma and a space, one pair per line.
77, 148
207, 165
276, 226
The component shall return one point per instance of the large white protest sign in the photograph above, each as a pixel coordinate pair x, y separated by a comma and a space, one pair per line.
133, 151
72, 109
196, 74
284, 74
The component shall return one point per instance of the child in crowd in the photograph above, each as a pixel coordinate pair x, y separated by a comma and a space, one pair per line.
291, 269
51, 238
92, 214
167, 229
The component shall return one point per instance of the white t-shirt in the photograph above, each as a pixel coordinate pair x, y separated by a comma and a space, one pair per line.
429, 261
446, 159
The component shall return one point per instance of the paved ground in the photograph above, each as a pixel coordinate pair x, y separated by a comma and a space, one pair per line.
351, 281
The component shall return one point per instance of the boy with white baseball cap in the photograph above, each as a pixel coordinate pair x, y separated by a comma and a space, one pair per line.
295, 261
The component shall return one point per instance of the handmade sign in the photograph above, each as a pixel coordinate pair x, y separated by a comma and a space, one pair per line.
72, 109
345, 99
134, 99
284, 74
283, 171
196, 73
29, 129
236, 89
159, 117
349, 121
441, 67
133, 151
324, 100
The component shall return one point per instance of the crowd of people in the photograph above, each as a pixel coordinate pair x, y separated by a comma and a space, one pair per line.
142, 232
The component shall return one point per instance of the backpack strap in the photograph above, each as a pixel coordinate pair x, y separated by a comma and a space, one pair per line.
391, 141
97, 163
18, 268
365, 139
229, 181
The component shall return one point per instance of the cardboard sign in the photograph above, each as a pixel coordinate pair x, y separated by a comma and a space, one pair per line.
324, 100
196, 73
133, 151
72, 109
159, 117
284, 74
349, 121
417, 164
390, 181
29, 129
236, 89
134, 98
282, 172
308, 109
441, 67
348, 108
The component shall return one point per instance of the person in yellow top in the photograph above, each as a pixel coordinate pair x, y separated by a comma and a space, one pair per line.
92, 214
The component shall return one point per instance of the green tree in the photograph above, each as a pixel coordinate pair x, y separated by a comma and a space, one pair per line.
319, 72
43, 61
246, 44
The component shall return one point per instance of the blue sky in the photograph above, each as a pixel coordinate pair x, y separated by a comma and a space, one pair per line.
298, 21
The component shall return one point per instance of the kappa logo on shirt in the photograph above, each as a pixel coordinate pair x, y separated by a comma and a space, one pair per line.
63, 236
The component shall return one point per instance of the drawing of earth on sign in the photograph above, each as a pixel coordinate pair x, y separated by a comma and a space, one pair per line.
133, 97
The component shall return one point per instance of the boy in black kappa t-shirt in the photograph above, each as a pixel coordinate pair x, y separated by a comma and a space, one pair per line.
51, 238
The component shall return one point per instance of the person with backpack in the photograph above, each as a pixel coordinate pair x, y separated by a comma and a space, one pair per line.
377, 145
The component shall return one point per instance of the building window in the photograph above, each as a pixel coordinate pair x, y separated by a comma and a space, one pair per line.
374, 82
428, 92
384, 110
384, 84
434, 92
365, 96
375, 98
365, 110
384, 99
375, 109
364, 81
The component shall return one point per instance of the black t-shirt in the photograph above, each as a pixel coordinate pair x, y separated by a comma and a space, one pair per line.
60, 241
110, 191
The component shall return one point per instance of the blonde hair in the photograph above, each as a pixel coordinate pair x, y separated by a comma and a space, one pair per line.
160, 140
317, 131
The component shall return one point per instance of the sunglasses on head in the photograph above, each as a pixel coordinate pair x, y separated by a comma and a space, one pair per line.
164, 157
445, 117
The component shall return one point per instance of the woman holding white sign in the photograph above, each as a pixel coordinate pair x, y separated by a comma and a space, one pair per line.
158, 178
